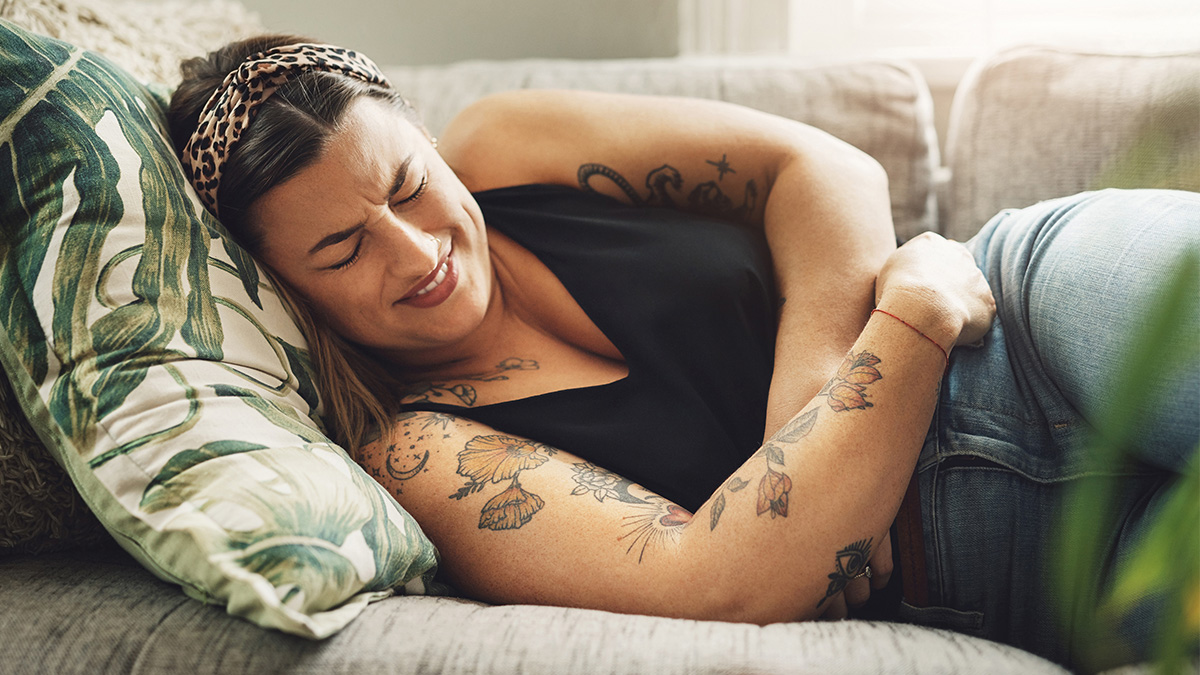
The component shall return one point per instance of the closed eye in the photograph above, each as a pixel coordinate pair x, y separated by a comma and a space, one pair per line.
416, 193
349, 261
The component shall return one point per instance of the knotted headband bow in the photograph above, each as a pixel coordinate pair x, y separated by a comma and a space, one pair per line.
232, 106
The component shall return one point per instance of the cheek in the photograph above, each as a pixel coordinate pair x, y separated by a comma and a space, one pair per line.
341, 302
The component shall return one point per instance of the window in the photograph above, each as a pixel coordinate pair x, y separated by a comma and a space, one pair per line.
932, 28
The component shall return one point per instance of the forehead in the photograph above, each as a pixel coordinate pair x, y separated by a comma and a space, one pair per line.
371, 127
355, 168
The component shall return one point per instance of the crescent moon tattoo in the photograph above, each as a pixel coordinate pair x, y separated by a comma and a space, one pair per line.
405, 475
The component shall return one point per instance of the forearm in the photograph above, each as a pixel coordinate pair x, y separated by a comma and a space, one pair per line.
518, 521
828, 483
828, 224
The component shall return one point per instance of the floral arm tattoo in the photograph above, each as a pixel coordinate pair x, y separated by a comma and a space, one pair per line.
655, 522
497, 459
847, 390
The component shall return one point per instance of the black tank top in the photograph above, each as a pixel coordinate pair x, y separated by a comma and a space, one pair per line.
689, 302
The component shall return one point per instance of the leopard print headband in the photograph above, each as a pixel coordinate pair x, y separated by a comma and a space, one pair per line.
232, 106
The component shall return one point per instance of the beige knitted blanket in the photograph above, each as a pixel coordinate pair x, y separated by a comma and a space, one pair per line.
148, 38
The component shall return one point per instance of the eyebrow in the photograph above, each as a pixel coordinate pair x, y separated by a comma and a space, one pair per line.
343, 235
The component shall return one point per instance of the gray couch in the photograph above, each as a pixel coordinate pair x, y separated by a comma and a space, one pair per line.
1027, 124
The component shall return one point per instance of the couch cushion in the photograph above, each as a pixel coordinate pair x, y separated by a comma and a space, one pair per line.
883, 108
109, 617
161, 369
1032, 123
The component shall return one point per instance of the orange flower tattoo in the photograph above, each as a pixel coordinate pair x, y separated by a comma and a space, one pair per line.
773, 492
498, 458
495, 459
847, 389
510, 509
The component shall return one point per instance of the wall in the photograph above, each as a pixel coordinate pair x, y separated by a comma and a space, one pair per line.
418, 32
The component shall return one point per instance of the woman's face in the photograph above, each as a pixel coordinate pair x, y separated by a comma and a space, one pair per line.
380, 237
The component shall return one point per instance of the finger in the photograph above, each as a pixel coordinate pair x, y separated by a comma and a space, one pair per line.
881, 563
836, 610
858, 591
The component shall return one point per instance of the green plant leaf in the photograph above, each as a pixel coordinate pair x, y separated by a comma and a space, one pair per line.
1088, 520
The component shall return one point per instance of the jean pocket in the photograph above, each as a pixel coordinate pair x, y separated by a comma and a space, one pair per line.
949, 618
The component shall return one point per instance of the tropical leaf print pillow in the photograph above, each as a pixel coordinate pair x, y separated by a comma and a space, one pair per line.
161, 369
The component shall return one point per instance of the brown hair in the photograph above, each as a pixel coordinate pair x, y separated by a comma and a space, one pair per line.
289, 133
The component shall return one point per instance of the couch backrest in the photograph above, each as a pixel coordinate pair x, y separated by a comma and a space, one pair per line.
1032, 123
883, 108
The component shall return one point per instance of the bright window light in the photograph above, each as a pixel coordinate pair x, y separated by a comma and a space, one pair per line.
967, 28
935, 29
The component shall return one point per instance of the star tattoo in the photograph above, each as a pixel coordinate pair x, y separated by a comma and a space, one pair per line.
722, 167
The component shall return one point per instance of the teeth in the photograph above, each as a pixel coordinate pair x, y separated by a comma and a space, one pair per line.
441, 276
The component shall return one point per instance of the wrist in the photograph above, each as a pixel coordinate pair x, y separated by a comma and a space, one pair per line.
925, 312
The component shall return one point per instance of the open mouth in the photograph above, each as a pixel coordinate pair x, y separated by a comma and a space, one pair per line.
436, 287
439, 275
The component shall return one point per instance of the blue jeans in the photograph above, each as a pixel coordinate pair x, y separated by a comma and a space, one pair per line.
1070, 277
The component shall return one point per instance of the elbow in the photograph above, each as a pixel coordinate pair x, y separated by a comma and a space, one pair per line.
752, 608
761, 607
870, 173
822, 153
718, 592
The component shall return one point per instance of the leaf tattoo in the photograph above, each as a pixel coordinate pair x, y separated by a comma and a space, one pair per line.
734, 484
717, 509
773, 453
798, 427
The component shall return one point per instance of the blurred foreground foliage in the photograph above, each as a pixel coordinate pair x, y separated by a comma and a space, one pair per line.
1165, 565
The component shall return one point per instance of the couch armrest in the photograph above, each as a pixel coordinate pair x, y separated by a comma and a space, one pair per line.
1032, 123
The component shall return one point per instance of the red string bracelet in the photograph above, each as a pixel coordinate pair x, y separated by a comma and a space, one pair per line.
918, 330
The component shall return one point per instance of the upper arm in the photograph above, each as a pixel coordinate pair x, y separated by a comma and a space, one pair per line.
520, 521
823, 204
690, 153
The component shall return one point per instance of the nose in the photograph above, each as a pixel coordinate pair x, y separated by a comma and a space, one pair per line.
413, 251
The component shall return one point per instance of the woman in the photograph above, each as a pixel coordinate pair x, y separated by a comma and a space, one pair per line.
662, 356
